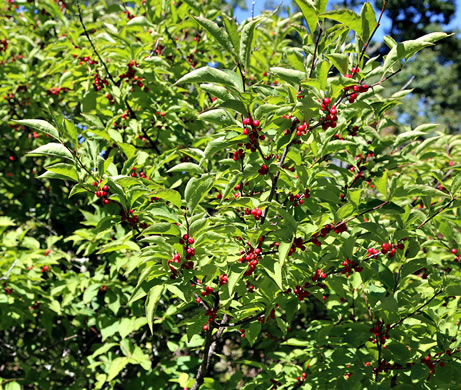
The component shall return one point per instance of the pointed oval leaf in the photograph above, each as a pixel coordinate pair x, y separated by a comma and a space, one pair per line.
153, 298
41, 126
63, 169
187, 167
309, 11
218, 33
53, 150
208, 74
246, 41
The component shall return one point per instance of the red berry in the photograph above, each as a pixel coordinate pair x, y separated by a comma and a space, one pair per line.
454, 251
45, 268
255, 123
326, 101
246, 121
205, 327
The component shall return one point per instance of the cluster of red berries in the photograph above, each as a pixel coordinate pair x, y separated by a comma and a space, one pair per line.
455, 252
390, 250
86, 59
110, 98
208, 290
297, 243
163, 124
99, 84
242, 333
187, 242
103, 289
129, 15
130, 76
175, 259
238, 154
56, 90
251, 257
132, 219
319, 274
301, 293
102, 192
302, 129
7, 289
211, 313
381, 332
256, 213
356, 88
251, 128
331, 118
3, 45
298, 198
302, 378
45, 269
350, 266
223, 279
263, 170
142, 174
338, 229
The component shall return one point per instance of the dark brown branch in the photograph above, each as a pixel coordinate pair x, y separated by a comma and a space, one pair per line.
315, 52
209, 350
371, 37
132, 113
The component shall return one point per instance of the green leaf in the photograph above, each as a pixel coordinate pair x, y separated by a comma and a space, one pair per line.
368, 21
168, 195
218, 33
246, 41
309, 11
215, 146
163, 228
407, 49
153, 298
347, 17
381, 184
187, 167
231, 29
63, 169
253, 332
196, 190
208, 74
284, 248
139, 21
116, 366
290, 75
456, 184
53, 150
340, 61
41, 126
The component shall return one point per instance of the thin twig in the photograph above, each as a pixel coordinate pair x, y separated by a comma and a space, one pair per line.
128, 106
371, 36
416, 310
437, 213
315, 52
7, 274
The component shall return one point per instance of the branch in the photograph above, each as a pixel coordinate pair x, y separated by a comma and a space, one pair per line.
315, 52
437, 213
132, 113
7, 274
210, 347
416, 310
371, 36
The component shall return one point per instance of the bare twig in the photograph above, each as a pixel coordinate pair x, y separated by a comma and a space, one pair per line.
418, 310
315, 52
7, 274
437, 213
